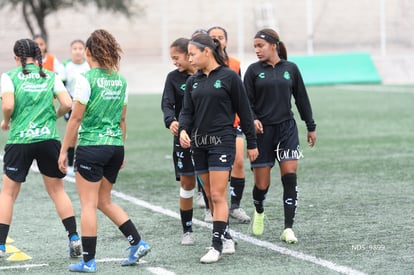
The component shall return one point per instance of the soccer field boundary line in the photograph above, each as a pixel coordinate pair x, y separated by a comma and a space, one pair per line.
282, 250
26, 266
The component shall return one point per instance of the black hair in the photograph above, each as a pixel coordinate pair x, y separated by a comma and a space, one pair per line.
225, 36
199, 31
181, 44
25, 48
272, 37
203, 41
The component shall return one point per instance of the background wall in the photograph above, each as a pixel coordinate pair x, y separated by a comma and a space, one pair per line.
338, 26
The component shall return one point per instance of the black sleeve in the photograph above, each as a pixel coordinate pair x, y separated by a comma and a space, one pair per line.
249, 87
242, 107
302, 101
187, 111
168, 102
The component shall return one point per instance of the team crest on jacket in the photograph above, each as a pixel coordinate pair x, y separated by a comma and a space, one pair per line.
182, 87
262, 75
195, 85
286, 75
217, 84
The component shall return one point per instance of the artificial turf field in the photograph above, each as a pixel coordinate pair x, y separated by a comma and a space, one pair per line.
355, 212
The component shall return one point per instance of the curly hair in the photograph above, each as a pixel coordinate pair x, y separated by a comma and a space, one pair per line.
25, 48
104, 49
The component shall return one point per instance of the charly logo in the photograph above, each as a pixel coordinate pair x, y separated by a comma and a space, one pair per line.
288, 154
195, 85
286, 75
217, 84
262, 75
182, 87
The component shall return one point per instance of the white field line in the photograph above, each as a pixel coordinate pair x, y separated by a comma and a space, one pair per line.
246, 238
26, 266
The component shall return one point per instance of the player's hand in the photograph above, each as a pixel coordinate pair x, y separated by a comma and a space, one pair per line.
258, 125
252, 154
62, 162
174, 128
311, 138
5, 126
185, 140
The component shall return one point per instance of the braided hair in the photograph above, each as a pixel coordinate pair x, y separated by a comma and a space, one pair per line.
25, 48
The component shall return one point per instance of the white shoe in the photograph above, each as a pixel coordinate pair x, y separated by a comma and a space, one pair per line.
70, 171
34, 167
200, 200
229, 246
240, 215
188, 238
288, 236
212, 256
207, 216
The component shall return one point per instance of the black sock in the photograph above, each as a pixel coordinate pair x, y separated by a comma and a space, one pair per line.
290, 198
71, 155
187, 220
236, 191
70, 226
130, 232
218, 231
4, 231
227, 234
259, 196
89, 248
201, 189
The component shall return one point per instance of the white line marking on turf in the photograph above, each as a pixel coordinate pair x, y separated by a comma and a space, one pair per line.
159, 271
22, 266
249, 239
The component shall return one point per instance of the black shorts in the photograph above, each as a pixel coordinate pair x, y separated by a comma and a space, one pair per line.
98, 161
183, 160
278, 142
218, 157
19, 157
239, 132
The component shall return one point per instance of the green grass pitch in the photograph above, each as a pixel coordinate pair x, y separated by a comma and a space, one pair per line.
355, 210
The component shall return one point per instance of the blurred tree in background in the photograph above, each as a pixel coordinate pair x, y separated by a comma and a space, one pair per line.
34, 12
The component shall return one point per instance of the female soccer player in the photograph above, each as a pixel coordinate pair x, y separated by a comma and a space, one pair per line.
30, 116
212, 97
99, 107
75, 66
49, 61
237, 177
270, 84
171, 105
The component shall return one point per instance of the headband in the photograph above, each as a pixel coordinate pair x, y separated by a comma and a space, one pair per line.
267, 38
200, 45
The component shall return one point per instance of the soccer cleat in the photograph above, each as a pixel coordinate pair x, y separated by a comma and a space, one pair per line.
212, 256
200, 200
188, 238
207, 215
75, 247
229, 246
136, 252
88, 267
240, 215
2, 251
258, 223
288, 236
